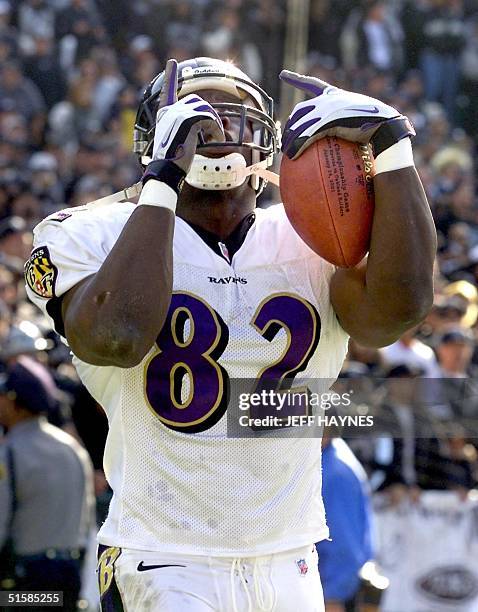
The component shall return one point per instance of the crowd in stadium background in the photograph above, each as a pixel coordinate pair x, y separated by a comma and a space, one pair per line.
71, 75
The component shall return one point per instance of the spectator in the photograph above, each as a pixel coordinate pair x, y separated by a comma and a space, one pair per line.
464, 294
15, 146
140, 61
373, 34
418, 445
266, 27
184, 26
445, 314
91, 424
454, 351
348, 508
82, 95
412, 18
326, 22
79, 29
36, 19
461, 461
15, 241
75, 11
110, 82
47, 509
45, 183
123, 112
455, 254
27, 206
411, 351
44, 69
470, 75
396, 428
444, 38
371, 357
138, 45
8, 34
219, 39
21, 94
9, 295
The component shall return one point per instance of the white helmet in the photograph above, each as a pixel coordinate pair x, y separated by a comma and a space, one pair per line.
229, 171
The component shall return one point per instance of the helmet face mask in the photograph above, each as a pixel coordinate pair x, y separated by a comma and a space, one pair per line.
206, 73
262, 127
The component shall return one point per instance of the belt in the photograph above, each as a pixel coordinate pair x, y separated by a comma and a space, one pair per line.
67, 554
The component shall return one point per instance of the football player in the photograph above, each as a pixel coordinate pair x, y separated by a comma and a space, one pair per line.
166, 302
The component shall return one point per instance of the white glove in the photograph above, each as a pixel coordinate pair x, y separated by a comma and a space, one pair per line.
178, 123
337, 112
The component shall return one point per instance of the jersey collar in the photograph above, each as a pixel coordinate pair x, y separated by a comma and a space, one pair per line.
228, 247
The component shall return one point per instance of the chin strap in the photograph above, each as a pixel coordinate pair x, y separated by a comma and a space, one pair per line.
259, 169
119, 196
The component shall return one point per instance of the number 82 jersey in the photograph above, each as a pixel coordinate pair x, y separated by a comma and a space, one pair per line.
180, 484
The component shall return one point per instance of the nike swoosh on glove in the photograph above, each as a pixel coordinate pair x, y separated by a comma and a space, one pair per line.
178, 126
334, 112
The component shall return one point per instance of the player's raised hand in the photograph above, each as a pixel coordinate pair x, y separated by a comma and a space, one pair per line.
335, 112
178, 123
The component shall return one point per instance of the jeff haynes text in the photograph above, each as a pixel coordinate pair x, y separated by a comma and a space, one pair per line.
306, 421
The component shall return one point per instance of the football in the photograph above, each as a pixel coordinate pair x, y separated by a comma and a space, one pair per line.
328, 197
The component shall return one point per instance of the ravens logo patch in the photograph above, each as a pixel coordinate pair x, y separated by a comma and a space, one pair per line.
41, 273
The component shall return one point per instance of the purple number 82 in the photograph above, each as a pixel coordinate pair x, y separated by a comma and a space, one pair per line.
192, 358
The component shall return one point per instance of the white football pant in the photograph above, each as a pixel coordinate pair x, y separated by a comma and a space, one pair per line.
138, 581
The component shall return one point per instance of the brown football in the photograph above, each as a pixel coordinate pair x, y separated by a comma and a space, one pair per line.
328, 197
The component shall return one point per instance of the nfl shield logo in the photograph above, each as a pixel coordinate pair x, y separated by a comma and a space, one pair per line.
303, 567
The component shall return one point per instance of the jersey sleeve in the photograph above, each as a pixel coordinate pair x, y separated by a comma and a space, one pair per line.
68, 247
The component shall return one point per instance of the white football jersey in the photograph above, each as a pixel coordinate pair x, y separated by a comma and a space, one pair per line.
180, 483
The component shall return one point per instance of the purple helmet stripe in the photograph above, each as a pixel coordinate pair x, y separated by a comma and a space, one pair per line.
173, 83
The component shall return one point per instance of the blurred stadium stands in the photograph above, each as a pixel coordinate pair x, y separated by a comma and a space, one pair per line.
72, 71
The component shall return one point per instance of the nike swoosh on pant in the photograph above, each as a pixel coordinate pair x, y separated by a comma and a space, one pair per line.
144, 568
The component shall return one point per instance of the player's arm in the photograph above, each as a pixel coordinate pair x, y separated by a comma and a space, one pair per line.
393, 290
115, 316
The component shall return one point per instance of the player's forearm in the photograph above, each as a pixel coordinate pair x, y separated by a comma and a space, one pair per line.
378, 301
120, 311
399, 275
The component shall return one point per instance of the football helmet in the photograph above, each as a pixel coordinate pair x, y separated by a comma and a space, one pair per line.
254, 106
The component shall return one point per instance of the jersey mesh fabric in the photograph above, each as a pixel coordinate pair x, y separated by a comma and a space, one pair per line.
205, 493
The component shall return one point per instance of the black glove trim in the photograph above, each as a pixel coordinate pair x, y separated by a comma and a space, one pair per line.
167, 172
391, 132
